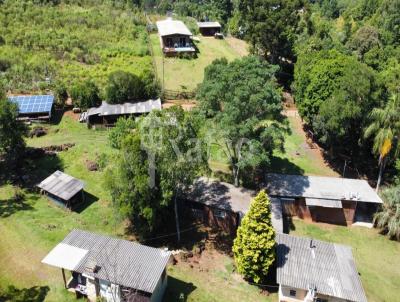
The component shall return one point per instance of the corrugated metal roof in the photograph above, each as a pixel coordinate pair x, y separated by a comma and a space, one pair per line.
119, 261
61, 185
225, 196
172, 27
326, 203
126, 108
329, 267
208, 24
283, 185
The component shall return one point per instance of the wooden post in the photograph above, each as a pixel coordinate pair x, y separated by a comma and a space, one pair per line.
65, 280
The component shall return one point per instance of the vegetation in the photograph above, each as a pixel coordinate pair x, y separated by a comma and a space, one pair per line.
254, 245
244, 103
85, 95
388, 219
123, 127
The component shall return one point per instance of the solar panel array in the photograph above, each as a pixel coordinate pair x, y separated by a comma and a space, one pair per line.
33, 103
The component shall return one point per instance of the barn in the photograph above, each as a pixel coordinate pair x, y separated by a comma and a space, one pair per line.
209, 28
341, 201
33, 107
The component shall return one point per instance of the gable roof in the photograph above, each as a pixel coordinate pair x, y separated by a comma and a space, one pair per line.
172, 27
61, 185
119, 261
127, 108
208, 24
318, 187
330, 267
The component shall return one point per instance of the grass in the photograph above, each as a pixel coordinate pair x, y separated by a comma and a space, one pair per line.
186, 74
377, 258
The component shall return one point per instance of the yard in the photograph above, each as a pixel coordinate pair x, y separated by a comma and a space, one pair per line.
185, 74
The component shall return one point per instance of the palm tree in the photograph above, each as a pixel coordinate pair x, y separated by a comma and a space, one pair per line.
385, 127
388, 218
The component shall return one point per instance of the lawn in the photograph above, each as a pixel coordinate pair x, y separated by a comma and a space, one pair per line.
186, 74
377, 258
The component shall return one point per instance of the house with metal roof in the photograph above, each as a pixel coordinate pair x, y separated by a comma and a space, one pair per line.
175, 37
222, 205
311, 270
33, 107
113, 269
63, 189
209, 28
108, 114
334, 200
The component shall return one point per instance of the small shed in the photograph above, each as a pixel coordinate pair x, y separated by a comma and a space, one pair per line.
209, 28
63, 189
33, 107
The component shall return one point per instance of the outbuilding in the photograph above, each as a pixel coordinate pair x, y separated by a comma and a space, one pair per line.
33, 107
310, 270
333, 200
221, 205
111, 269
63, 189
175, 37
209, 28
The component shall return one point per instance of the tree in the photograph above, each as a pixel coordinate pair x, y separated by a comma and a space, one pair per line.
385, 128
123, 127
366, 38
85, 95
243, 102
271, 26
388, 218
254, 246
124, 87
12, 131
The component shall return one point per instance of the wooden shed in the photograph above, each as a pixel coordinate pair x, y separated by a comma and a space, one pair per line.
63, 189
209, 28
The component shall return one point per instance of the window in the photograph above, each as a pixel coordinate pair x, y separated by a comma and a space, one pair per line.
182, 41
292, 293
219, 213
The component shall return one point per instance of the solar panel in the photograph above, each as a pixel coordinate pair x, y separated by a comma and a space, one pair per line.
33, 103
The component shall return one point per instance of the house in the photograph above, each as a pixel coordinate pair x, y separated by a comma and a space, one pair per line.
209, 28
33, 107
222, 205
63, 189
113, 269
310, 270
175, 37
333, 200
107, 114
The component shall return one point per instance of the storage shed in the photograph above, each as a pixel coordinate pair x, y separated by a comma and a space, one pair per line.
209, 28
63, 189
111, 269
33, 107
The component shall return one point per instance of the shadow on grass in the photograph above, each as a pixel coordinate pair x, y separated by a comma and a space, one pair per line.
178, 290
33, 294
284, 166
89, 200
11, 206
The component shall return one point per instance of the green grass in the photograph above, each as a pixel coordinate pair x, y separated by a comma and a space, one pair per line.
188, 73
377, 258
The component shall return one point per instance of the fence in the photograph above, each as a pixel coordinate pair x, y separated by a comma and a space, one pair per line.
178, 95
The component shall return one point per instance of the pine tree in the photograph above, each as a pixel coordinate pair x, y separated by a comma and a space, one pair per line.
254, 246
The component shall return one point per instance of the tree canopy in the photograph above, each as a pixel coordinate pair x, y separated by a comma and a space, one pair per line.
388, 218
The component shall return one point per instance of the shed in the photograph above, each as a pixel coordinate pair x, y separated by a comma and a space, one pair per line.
110, 268
312, 270
63, 189
334, 200
33, 107
222, 205
209, 28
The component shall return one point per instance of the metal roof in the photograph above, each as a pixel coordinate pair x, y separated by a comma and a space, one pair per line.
225, 196
327, 266
33, 103
172, 27
119, 261
61, 185
318, 187
208, 24
126, 108
65, 256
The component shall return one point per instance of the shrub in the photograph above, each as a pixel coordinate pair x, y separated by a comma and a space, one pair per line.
60, 93
123, 87
85, 95
122, 128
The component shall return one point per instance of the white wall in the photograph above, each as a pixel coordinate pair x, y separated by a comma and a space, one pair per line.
284, 295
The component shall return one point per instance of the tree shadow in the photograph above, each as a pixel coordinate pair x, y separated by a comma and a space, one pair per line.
11, 206
284, 166
178, 290
33, 294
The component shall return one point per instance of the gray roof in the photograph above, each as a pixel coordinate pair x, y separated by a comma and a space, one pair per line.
172, 27
208, 24
120, 261
318, 187
225, 196
61, 185
330, 268
126, 108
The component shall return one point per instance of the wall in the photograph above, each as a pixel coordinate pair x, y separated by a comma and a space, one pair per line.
175, 40
209, 31
158, 293
284, 295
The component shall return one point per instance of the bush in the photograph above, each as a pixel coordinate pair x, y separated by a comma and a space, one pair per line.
122, 128
123, 87
60, 93
85, 95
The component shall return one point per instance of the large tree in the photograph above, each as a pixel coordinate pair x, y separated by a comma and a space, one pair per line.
254, 246
243, 102
388, 218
